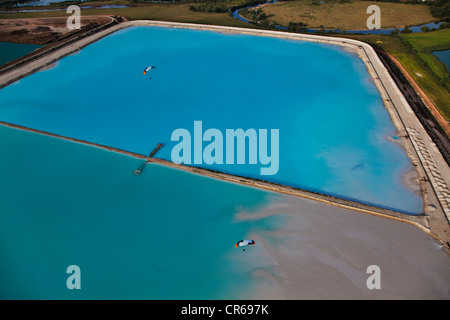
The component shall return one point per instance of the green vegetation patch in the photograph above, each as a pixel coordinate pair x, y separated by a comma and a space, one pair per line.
411, 59
347, 15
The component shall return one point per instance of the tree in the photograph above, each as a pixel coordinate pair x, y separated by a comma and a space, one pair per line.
407, 29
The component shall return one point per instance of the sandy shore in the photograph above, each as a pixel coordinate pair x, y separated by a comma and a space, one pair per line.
322, 252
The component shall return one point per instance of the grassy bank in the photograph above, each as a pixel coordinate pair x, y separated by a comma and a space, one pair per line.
425, 43
429, 73
426, 72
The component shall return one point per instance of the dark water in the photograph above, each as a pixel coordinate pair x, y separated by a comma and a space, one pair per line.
444, 56
11, 51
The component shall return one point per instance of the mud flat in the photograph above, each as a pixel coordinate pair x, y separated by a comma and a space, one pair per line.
323, 252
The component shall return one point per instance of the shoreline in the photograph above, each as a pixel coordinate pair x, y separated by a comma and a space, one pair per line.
418, 220
436, 218
410, 179
310, 250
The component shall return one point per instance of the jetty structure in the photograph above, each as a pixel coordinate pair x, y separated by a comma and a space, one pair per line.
432, 169
139, 170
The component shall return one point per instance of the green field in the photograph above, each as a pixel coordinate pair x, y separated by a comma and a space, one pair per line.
425, 43
348, 15
428, 72
435, 78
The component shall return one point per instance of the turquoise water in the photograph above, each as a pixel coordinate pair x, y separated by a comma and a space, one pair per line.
335, 134
444, 56
162, 235
11, 51
168, 234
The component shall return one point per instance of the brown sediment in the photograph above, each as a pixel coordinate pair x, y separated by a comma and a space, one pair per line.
58, 43
312, 258
411, 180
420, 221
44, 30
433, 222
